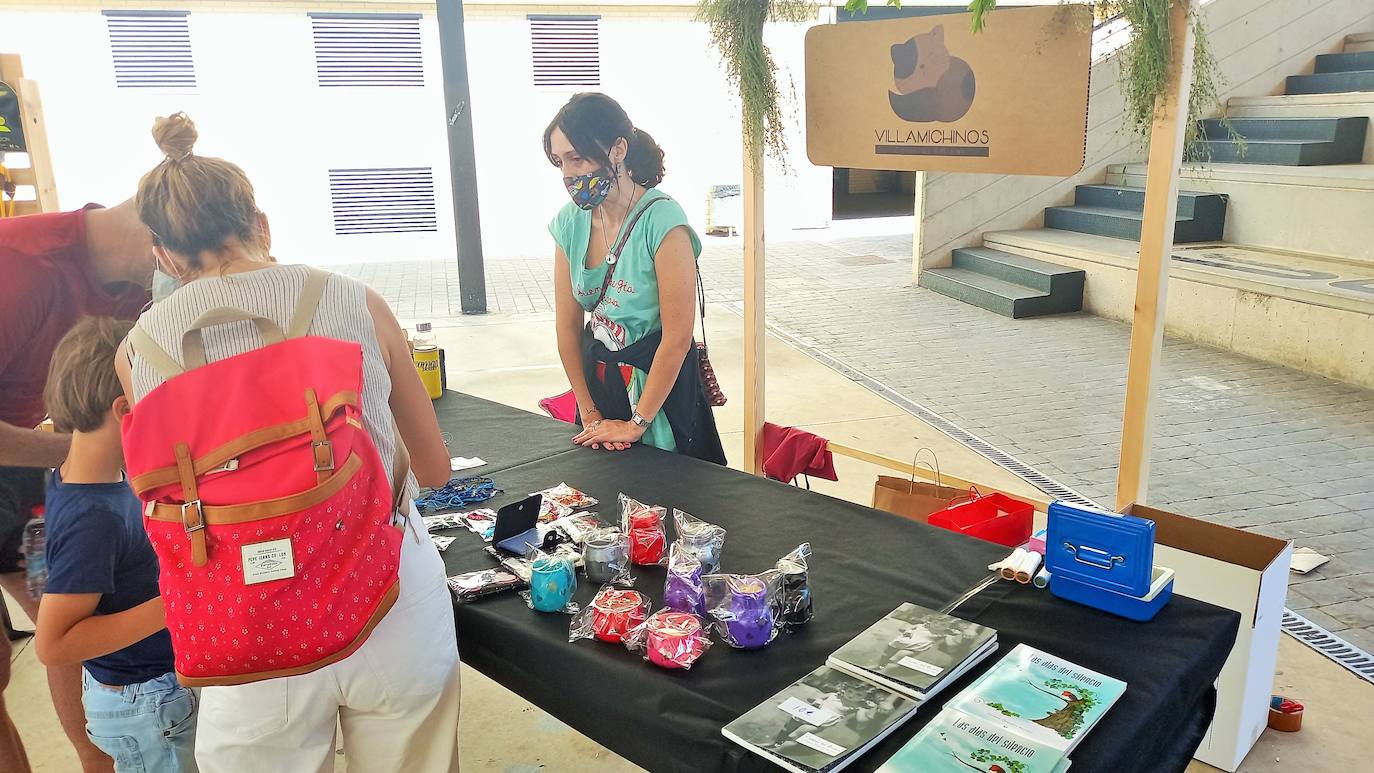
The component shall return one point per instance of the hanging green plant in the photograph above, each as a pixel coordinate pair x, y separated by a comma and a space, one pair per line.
736, 29
1145, 64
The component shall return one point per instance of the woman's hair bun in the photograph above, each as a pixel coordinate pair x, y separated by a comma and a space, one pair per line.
175, 135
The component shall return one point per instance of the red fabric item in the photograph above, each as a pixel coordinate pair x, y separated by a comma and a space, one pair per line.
345, 550
789, 452
46, 286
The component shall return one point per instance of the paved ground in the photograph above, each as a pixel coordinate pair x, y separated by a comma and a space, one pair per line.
1238, 441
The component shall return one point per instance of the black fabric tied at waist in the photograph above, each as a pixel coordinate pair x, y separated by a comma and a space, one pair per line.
687, 407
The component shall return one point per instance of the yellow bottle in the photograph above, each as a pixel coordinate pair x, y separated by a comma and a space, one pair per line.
426, 356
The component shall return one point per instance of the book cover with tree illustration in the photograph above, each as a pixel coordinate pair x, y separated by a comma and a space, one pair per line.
955, 742
1047, 699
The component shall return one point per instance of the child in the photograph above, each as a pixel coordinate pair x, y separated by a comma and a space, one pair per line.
101, 603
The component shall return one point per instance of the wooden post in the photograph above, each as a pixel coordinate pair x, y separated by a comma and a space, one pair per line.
1156, 248
755, 324
39, 172
918, 220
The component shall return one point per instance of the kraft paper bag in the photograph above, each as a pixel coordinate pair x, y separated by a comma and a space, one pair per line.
915, 500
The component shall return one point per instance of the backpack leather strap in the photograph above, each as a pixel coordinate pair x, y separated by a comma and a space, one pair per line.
320, 445
191, 512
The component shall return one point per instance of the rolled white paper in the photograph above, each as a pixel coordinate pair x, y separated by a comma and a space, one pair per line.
1026, 569
1011, 562
1042, 578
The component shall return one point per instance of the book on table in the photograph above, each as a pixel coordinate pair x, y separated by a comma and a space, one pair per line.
1025, 715
955, 741
915, 651
822, 722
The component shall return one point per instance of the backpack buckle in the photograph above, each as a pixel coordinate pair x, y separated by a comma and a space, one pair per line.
324, 455
200, 517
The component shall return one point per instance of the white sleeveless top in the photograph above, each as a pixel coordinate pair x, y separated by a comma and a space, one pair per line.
272, 293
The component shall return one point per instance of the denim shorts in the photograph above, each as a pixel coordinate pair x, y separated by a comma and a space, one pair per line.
148, 727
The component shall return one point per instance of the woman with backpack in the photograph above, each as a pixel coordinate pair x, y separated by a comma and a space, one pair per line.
626, 256
306, 597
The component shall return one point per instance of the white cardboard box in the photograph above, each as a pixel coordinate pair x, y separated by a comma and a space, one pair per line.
1247, 573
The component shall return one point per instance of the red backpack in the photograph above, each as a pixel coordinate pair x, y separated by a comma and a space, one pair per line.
269, 508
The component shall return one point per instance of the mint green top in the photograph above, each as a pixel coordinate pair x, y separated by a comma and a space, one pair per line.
631, 308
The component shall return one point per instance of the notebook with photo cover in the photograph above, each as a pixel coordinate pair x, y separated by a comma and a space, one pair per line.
1046, 699
948, 677
915, 650
955, 741
821, 723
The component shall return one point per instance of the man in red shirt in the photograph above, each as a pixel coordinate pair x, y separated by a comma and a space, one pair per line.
54, 269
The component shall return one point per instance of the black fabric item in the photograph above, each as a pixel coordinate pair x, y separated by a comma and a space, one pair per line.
864, 564
688, 408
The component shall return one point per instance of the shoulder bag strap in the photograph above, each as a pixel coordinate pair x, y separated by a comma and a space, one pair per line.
307, 303
144, 346
614, 257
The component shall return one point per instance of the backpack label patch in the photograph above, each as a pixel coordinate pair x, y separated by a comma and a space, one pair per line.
265, 561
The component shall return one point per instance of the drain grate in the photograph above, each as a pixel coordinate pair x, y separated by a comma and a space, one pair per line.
1345, 654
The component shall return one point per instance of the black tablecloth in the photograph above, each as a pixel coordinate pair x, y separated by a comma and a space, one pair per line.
501, 435
864, 564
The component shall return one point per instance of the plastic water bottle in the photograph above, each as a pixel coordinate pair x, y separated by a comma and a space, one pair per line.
34, 546
426, 355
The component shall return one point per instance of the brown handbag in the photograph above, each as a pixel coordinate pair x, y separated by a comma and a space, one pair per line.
709, 382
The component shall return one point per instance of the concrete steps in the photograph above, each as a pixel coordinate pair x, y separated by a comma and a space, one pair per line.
1284, 141
1117, 211
1346, 61
1349, 105
1011, 285
1351, 70
1330, 82
1327, 210
1301, 310
1364, 41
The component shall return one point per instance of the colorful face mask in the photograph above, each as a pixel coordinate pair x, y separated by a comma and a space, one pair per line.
589, 190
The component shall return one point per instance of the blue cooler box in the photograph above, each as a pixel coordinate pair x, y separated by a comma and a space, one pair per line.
1106, 561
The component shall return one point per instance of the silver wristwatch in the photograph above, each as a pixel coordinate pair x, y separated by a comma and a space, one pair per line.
639, 421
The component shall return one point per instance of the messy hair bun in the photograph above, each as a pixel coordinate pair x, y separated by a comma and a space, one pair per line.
175, 135
645, 159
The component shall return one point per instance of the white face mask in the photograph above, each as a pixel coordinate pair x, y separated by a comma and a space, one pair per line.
164, 284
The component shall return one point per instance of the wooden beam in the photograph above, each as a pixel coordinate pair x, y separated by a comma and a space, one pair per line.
920, 471
1156, 248
755, 325
39, 173
918, 228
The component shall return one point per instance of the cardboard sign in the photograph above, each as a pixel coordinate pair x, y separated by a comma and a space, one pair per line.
926, 93
11, 125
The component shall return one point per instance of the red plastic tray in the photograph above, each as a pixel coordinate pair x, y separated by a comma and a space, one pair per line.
991, 517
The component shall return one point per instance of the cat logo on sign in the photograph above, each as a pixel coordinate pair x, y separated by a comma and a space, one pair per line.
926, 93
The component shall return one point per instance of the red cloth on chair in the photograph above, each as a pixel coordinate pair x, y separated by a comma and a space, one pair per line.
789, 452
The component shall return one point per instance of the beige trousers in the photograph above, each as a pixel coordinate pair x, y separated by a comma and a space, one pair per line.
395, 700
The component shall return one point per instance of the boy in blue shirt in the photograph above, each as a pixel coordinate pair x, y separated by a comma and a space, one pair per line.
101, 605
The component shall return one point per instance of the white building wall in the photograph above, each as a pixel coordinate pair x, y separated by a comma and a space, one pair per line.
257, 104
